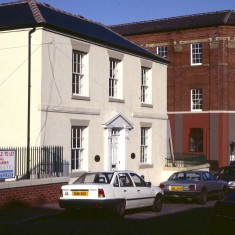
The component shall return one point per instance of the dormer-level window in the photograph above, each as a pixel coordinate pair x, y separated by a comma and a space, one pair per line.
162, 51
196, 54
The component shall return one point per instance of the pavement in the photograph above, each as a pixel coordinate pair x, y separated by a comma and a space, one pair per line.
19, 213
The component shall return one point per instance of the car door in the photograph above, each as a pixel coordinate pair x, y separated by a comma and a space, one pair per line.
146, 194
212, 185
127, 189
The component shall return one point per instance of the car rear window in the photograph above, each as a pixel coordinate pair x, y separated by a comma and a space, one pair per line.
186, 176
100, 177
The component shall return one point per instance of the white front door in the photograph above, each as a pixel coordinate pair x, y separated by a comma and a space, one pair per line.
117, 139
115, 144
119, 149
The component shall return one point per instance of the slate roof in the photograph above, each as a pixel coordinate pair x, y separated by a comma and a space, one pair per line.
29, 13
211, 19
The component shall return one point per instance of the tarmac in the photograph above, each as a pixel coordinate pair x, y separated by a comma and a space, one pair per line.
19, 213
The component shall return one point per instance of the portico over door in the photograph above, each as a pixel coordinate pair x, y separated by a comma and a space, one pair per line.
117, 137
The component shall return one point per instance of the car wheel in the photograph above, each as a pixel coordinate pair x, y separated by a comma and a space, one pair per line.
157, 204
119, 209
202, 197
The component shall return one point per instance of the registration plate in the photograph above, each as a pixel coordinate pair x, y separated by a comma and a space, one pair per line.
177, 188
80, 193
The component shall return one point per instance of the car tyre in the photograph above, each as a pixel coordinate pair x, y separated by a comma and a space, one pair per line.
119, 209
157, 204
202, 197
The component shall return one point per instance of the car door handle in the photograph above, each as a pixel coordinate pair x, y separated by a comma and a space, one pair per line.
124, 190
138, 190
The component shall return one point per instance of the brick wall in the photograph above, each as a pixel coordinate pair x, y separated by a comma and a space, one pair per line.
216, 78
31, 192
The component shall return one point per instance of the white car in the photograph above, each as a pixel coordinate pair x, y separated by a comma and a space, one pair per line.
115, 191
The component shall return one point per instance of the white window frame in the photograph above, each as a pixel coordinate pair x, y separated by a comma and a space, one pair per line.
145, 85
196, 53
77, 149
79, 78
114, 78
145, 146
196, 99
162, 51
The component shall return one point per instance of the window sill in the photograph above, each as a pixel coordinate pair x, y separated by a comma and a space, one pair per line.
80, 97
116, 100
146, 105
196, 110
145, 165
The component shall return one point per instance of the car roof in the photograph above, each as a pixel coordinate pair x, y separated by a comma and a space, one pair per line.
116, 171
191, 171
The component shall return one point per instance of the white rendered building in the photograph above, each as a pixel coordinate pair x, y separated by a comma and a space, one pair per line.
68, 81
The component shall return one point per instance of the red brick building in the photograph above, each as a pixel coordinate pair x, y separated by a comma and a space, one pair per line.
201, 78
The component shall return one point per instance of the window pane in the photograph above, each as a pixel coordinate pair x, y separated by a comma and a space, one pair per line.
196, 53
196, 139
162, 51
113, 78
76, 146
77, 73
144, 84
196, 99
144, 145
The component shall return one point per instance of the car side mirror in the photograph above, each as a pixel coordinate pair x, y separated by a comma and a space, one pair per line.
149, 184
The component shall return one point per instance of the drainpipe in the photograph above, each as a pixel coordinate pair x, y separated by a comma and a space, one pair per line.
29, 101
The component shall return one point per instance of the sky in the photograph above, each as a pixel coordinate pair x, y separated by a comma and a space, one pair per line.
113, 12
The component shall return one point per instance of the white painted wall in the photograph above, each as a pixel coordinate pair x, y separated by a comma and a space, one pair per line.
13, 87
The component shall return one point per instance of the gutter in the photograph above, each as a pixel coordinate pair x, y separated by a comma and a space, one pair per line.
29, 101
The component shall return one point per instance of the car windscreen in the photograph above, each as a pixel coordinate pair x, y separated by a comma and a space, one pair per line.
227, 172
98, 177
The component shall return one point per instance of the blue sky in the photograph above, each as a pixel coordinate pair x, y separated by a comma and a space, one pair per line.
110, 12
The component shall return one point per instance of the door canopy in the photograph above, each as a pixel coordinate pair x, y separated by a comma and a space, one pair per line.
119, 122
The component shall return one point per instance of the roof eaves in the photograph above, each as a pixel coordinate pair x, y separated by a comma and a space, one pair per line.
41, 21
149, 55
146, 54
141, 30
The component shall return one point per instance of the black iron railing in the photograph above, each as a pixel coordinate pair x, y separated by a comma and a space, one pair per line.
46, 161
186, 160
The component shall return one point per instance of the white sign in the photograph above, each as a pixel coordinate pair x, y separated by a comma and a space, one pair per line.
7, 163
